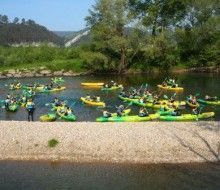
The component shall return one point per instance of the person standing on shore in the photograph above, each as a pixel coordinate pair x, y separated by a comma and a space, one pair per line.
30, 106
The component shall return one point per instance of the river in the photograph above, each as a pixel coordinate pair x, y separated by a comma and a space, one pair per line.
193, 83
45, 175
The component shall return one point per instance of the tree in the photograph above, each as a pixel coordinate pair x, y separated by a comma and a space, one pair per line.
4, 19
16, 20
108, 20
156, 15
30, 22
23, 21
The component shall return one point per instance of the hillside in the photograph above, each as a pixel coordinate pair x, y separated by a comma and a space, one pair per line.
83, 36
25, 32
74, 38
63, 33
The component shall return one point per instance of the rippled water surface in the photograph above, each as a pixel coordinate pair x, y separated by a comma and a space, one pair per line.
192, 82
62, 176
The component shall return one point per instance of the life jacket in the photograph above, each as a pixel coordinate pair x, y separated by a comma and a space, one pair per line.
30, 106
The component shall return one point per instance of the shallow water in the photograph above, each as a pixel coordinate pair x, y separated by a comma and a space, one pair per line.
192, 82
44, 175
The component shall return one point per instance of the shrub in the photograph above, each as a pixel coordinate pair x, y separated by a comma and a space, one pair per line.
94, 60
53, 143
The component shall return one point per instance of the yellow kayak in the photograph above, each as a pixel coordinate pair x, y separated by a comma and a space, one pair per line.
92, 103
192, 105
175, 103
170, 88
92, 84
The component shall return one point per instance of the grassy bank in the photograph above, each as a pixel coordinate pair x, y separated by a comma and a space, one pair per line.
75, 65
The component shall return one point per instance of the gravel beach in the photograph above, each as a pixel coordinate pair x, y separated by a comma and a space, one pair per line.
153, 142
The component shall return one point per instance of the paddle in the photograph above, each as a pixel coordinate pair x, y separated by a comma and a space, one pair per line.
140, 88
146, 86
73, 104
201, 108
130, 104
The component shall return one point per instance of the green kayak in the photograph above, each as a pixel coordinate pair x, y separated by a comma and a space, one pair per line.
158, 105
36, 88
215, 102
13, 107
112, 88
58, 80
52, 90
70, 117
165, 113
134, 118
187, 117
48, 118
103, 119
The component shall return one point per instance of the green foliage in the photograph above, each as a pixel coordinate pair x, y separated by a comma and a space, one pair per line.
53, 143
94, 60
167, 33
52, 58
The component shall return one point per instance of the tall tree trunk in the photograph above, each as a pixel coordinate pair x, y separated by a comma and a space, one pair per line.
122, 63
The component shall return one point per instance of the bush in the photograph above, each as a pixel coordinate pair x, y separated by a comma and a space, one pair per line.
53, 143
94, 61
2, 60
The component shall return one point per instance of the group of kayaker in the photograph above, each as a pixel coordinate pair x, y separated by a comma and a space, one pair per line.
28, 93
143, 97
11, 104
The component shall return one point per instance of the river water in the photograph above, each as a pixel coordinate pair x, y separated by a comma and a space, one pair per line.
193, 83
62, 176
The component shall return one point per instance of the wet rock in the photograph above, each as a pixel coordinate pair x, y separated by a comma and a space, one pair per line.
45, 72
58, 73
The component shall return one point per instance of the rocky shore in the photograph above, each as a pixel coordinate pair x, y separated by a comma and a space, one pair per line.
151, 142
42, 72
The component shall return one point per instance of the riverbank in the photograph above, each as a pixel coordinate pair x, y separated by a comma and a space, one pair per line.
213, 69
111, 142
44, 72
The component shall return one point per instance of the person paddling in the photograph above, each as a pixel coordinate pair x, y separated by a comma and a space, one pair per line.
176, 111
88, 97
196, 111
7, 102
30, 107
106, 114
56, 102
143, 112
69, 111
120, 110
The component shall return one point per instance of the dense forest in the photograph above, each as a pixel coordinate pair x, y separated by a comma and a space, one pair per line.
24, 31
130, 35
